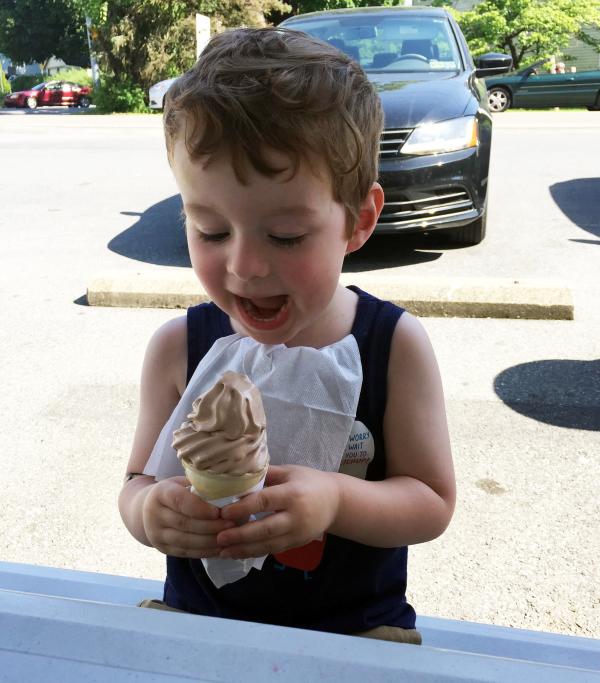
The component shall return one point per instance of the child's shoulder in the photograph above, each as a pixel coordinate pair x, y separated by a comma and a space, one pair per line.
411, 347
412, 361
166, 354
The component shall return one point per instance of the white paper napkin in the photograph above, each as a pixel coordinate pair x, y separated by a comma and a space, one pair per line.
310, 398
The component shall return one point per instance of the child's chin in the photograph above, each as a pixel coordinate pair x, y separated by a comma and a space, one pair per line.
267, 337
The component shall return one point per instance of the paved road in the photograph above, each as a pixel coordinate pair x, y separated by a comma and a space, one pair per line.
89, 193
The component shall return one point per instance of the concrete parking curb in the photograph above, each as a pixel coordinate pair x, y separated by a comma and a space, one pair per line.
451, 297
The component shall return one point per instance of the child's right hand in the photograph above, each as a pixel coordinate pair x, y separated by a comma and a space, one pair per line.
177, 522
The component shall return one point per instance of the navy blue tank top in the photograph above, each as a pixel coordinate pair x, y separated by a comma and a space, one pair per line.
355, 587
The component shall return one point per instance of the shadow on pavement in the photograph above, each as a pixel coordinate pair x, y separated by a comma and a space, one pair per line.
579, 200
565, 393
391, 251
157, 237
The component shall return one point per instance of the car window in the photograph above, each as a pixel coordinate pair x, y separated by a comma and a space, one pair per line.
389, 42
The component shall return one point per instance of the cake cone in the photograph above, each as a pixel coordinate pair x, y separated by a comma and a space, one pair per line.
214, 485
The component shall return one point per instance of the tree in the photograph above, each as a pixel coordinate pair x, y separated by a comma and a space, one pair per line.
33, 30
303, 6
144, 41
4, 84
529, 29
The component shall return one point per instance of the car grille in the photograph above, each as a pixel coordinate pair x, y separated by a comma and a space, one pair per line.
422, 209
391, 141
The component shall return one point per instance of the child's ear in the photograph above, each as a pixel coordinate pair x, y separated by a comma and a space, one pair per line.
367, 218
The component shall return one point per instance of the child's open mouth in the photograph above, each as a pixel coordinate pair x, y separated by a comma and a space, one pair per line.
265, 313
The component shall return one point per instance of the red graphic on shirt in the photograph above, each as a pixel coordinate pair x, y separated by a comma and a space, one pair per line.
306, 558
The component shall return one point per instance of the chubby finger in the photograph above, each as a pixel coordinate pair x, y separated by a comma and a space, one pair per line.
178, 497
270, 499
193, 525
181, 481
263, 535
276, 474
181, 544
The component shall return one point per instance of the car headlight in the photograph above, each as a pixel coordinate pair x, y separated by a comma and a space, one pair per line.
445, 136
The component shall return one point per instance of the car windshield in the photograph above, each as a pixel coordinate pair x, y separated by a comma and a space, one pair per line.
386, 42
39, 86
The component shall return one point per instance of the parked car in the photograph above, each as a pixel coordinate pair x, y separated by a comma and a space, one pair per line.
51, 93
536, 87
158, 91
435, 148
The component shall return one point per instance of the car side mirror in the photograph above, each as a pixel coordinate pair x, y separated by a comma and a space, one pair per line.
492, 63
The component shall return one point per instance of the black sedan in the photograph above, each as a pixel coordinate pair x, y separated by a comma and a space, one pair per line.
435, 149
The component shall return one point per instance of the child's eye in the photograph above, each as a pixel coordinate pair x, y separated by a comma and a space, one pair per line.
287, 241
212, 237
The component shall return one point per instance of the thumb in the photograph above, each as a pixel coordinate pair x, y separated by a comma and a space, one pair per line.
276, 474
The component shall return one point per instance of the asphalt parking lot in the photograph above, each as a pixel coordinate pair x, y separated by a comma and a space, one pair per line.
92, 194
46, 111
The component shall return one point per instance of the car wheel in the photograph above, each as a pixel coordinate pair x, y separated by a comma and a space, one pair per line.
498, 99
596, 105
471, 234
31, 102
84, 102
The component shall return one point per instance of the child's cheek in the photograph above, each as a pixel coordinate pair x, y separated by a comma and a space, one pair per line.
318, 274
210, 274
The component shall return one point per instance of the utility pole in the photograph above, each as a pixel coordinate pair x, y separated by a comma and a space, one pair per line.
93, 62
202, 33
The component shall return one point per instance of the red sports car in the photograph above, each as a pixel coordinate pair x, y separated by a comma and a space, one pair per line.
50, 94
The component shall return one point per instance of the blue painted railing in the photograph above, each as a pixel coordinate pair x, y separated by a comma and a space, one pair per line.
63, 625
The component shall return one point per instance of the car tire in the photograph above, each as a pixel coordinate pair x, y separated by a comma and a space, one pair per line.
31, 102
84, 102
499, 100
596, 105
471, 234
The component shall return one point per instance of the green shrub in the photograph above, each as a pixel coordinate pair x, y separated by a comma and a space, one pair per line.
4, 86
74, 75
119, 94
26, 82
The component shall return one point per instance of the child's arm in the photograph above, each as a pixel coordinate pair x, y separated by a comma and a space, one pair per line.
165, 514
413, 504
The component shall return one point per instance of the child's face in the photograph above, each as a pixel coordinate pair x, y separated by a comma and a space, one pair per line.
268, 253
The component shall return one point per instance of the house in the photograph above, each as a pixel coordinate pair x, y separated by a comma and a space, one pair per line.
582, 56
51, 68
54, 65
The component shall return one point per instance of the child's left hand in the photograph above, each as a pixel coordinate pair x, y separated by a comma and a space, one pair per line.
304, 503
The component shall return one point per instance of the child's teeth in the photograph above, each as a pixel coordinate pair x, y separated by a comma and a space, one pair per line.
264, 312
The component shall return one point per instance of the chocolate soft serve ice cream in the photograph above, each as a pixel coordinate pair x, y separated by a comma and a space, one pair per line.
223, 445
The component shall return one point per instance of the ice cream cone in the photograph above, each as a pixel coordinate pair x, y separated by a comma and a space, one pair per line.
214, 485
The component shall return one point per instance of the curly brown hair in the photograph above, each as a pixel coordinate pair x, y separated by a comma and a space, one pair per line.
254, 89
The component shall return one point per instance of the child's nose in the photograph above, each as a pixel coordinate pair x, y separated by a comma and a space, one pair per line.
247, 259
